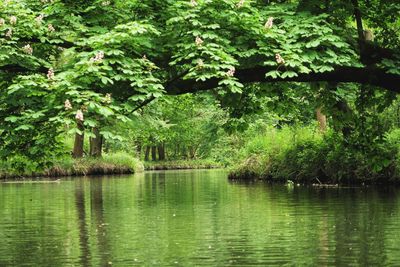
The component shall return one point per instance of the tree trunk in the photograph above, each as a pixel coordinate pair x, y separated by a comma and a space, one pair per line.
344, 116
184, 152
106, 146
345, 74
96, 144
192, 152
138, 147
177, 151
79, 140
147, 153
153, 153
161, 152
321, 120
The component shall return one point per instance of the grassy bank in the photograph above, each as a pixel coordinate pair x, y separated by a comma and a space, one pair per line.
305, 156
115, 163
181, 165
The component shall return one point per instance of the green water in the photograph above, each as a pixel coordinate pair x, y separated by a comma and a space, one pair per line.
192, 218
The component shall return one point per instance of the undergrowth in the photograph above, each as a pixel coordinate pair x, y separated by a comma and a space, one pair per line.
309, 157
113, 163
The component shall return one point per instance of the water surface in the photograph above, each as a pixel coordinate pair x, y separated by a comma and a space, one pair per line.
193, 218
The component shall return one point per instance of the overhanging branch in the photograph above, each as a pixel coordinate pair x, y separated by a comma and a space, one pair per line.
367, 75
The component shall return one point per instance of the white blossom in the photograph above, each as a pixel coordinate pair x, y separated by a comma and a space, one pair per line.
199, 41
231, 72
50, 28
200, 63
50, 74
108, 98
105, 3
240, 4
2, 22
79, 115
269, 23
279, 59
13, 20
39, 19
9, 33
98, 57
67, 105
28, 49
193, 3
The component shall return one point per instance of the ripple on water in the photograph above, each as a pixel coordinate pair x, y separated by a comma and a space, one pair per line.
195, 218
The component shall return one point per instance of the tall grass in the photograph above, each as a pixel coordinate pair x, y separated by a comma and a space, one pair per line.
181, 164
113, 163
304, 155
257, 155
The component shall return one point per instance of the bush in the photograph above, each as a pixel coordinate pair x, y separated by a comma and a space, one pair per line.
313, 159
114, 163
19, 165
124, 159
181, 164
302, 162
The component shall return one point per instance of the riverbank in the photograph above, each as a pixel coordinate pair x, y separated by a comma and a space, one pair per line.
109, 164
282, 172
323, 181
312, 158
115, 163
181, 165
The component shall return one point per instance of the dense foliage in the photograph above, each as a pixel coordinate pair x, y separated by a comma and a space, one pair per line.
93, 68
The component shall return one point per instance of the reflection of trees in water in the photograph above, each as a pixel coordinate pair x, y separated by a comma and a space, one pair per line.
95, 214
361, 224
30, 228
83, 229
350, 222
151, 189
217, 222
97, 208
326, 226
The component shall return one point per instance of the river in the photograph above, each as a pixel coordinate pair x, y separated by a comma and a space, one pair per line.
193, 218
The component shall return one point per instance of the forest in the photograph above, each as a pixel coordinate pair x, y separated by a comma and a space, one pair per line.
303, 91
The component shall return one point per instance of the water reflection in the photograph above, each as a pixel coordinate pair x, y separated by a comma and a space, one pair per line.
83, 228
191, 218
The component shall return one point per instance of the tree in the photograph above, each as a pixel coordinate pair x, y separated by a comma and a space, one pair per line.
81, 51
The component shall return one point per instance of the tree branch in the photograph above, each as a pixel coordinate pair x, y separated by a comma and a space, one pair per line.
357, 15
144, 103
367, 75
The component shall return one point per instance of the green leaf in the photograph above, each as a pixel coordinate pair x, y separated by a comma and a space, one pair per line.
11, 119
274, 74
24, 127
289, 74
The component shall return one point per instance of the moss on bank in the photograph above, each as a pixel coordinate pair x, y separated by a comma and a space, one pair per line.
115, 163
181, 165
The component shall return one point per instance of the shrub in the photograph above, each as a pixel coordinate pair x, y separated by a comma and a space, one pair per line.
114, 163
313, 159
